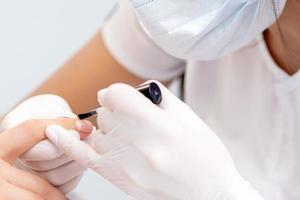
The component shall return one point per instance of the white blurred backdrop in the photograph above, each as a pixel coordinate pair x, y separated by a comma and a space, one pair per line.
36, 37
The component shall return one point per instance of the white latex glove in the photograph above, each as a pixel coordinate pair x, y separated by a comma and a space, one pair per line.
156, 152
45, 159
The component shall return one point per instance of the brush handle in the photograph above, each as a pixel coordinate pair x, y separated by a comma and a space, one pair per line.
151, 91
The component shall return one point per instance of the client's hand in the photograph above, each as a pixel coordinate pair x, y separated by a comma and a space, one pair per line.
14, 183
44, 159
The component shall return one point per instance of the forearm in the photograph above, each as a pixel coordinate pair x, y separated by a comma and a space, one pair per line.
91, 69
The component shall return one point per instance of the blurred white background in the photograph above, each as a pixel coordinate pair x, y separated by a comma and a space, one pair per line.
36, 37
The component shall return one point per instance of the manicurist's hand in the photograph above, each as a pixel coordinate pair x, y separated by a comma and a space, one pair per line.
43, 158
155, 152
16, 184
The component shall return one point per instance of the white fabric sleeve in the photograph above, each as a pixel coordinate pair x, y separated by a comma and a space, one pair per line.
132, 47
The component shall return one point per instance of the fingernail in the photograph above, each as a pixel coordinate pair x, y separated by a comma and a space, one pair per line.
83, 126
101, 94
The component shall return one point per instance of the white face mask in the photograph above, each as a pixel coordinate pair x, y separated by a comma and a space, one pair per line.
205, 29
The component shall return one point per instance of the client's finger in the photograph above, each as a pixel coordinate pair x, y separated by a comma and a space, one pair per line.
9, 191
16, 141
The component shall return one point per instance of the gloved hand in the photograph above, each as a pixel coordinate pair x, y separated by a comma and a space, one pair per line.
44, 159
156, 152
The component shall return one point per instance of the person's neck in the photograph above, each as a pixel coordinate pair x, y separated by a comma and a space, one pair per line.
285, 48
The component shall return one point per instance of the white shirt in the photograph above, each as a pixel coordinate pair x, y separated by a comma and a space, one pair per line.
249, 102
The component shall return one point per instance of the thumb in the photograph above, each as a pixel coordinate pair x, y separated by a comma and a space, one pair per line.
69, 143
123, 98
